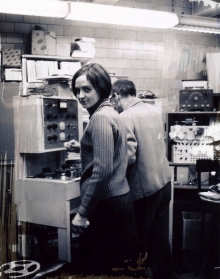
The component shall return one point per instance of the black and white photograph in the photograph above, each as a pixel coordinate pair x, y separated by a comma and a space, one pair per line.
109, 139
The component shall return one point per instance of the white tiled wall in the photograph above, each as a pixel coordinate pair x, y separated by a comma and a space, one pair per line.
154, 59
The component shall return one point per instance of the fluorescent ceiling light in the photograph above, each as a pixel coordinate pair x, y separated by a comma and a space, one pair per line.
120, 15
198, 24
48, 8
110, 15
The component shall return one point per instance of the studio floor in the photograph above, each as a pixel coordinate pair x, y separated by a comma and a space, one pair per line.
187, 264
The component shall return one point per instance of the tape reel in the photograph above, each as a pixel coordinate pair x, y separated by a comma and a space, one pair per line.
19, 269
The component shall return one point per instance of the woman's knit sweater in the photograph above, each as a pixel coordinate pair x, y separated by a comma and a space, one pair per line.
104, 159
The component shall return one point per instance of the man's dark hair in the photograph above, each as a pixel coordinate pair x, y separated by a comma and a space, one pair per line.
124, 87
97, 76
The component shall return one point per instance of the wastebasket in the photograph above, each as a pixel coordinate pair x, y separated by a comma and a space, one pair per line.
192, 222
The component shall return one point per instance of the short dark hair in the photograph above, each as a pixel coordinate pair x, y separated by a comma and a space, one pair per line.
97, 76
124, 87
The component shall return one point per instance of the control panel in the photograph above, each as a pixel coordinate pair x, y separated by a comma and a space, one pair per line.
192, 136
60, 122
46, 123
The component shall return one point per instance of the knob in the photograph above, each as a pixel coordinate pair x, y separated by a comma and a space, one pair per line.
68, 125
55, 115
54, 126
68, 173
49, 138
55, 137
49, 115
74, 116
196, 98
49, 126
67, 136
202, 106
49, 105
195, 106
208, 105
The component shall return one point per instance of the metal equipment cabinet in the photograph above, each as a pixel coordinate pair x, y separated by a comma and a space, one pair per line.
190, 136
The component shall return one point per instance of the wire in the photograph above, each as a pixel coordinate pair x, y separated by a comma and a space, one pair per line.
172, 6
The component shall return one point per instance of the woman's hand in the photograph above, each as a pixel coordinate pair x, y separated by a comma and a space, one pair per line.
73, 144
80, 223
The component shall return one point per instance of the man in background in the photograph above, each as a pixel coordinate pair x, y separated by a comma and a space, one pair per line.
148, 175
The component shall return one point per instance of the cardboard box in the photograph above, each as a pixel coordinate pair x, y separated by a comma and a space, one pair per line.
182, 175
11, 57
13, 74
192, 222
63, 49
43, 42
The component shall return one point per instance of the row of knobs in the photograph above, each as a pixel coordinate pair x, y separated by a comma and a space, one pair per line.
207, 105
55, 137
52, 137
55, 116
54, 126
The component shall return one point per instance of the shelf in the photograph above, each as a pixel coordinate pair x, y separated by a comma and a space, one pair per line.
56, 58
6, 66
190, 187
181, 164
194, 112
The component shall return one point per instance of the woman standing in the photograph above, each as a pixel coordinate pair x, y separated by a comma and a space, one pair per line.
106, 202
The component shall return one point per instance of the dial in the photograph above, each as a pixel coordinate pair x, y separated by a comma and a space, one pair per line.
196, 96
50, 137
62, 126
49, 115
62, 136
